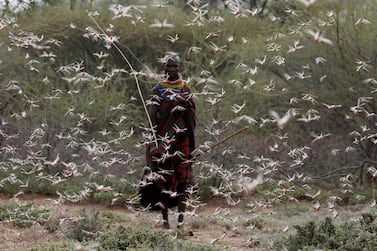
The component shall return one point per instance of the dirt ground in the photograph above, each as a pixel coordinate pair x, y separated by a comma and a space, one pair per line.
243, 227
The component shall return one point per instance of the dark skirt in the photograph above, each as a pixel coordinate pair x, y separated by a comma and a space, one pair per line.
165, 179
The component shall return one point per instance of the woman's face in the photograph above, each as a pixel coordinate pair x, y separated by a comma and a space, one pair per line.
171, 69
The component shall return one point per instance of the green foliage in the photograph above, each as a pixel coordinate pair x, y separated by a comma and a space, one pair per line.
73, 113
256, 223
205, 185
54, 113
357, 196
65, 246
350, 235
292, 209
285, 191
189, 246
24, 215
198, 223
299, 193
108, 215
102, 197
86, 228
52, 224
126, 238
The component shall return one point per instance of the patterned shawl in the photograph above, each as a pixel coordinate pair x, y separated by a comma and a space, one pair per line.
173, 105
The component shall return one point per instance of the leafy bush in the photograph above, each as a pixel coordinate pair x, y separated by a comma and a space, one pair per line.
102, 197
352, 235
23, 215
126, 238
205, 187
86, 228
54, 247
189, 246
357, 196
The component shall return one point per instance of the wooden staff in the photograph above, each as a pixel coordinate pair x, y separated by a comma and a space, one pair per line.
227, 138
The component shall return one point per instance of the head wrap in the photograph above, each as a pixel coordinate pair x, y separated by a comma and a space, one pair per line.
171, 56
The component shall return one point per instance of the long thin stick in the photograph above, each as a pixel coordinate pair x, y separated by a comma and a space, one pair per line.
137, 81
226, 138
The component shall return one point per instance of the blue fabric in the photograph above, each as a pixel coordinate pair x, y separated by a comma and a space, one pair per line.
167, 94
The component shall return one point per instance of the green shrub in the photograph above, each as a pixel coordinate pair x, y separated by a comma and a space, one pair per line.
197, 223
256, 223
299, 193
52, 224
359, 195
352, 235
102, 197
54, 247
189, 246
205, 187
126, 238
86, 228
23, 215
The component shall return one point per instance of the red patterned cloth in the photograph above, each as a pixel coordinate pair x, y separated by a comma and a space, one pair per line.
173, 114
